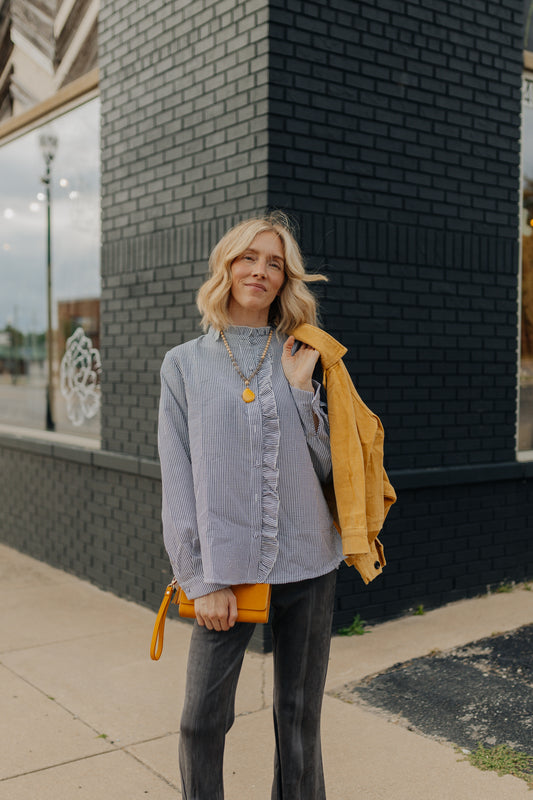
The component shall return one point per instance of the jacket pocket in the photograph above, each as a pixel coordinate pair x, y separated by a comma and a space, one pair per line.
380, 552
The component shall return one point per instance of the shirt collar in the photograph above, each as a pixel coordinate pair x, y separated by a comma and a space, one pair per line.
240, 330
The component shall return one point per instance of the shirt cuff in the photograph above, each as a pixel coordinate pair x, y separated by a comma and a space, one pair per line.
308, 403
196, 587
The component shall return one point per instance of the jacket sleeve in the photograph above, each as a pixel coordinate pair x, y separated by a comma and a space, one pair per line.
360, 495
180, 529
309, 406
362, 490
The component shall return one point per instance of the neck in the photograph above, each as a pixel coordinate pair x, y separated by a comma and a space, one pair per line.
249, 319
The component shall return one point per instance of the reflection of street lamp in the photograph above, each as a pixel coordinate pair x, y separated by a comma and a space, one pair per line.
48, 145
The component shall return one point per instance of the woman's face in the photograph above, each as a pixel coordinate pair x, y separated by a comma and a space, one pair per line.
257, 276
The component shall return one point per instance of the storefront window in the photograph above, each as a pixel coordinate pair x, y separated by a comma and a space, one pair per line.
62, 394
525, 410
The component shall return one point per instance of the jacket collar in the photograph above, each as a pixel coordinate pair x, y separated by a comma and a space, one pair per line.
331, 351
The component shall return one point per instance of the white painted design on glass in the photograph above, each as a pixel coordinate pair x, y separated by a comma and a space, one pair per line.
80, 377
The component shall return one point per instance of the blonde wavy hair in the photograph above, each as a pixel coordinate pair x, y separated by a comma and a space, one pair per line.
295, 303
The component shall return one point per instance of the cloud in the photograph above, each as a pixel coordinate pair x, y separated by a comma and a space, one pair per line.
75, 225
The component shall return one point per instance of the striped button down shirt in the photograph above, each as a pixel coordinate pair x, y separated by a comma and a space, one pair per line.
242, 497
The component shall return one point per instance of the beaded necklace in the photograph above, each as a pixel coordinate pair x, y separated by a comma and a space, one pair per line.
248, 396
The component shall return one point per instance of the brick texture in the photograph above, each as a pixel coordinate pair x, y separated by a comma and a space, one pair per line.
103, 524
444, 544
86, 520
184, 90
394, 136
398, 112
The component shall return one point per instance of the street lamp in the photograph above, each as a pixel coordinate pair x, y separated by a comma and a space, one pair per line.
48, 145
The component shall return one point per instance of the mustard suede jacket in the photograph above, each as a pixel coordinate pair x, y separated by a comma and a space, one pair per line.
361, 494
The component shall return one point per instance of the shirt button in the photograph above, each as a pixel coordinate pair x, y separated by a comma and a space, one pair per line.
377, 565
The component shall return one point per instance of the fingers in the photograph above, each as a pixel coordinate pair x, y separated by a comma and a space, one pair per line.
299, 368
304, 351
313, 355
216, 611
305, 356
213, 623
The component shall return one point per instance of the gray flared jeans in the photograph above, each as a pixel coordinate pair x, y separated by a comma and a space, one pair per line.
301, 619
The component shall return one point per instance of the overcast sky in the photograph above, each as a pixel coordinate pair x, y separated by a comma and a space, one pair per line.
75, 219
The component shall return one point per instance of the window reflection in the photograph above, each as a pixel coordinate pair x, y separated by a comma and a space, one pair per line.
525, 430
75, 265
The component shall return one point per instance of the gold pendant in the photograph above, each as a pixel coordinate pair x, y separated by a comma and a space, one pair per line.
248, 396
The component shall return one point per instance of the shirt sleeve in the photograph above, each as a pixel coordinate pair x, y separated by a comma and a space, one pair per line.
310, 405
180, 529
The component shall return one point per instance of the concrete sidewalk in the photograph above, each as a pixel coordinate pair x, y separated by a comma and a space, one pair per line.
86, 714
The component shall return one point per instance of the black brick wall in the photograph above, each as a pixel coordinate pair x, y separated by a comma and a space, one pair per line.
444, 543
398, 111
395, 137
99, 522
184, 90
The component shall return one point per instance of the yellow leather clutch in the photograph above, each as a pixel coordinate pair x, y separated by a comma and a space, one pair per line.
253, 602
253, 605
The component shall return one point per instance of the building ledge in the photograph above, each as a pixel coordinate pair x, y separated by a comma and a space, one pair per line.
461, 475
87, 451
75, 448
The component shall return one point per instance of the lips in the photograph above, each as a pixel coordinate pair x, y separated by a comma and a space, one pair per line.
256, 286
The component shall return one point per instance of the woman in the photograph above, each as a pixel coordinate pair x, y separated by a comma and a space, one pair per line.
244, 448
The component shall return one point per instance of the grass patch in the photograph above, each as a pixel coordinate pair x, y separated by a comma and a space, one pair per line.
503, 760
419, 611
504, 587
356, 628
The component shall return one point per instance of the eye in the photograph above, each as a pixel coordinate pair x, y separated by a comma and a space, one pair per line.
275, 265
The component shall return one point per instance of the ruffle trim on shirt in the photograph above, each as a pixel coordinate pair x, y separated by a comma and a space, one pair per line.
270, 473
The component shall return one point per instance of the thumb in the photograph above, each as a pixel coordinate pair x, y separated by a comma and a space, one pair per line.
289, 344
232, 610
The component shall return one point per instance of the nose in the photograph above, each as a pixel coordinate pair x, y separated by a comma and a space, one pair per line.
259, 267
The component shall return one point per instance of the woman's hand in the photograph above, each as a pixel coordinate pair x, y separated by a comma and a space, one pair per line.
298, 368
217, 610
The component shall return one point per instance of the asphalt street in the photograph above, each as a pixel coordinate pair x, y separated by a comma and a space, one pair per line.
478, 693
